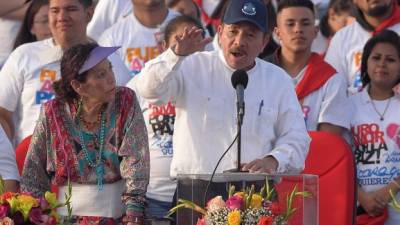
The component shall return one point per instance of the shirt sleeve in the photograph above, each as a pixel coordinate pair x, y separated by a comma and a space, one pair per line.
335, 107
334, 55
135, 164
160, 80
102, 19
35, 178
292, 142
8, 165
11, 83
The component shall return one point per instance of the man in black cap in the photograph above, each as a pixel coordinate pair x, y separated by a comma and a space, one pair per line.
274, 137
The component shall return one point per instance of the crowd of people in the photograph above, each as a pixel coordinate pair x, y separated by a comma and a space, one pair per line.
119, 97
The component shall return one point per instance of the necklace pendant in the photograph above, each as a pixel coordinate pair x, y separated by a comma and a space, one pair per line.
382, 119
100, 175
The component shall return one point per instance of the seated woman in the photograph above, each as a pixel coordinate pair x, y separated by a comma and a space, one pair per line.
92, 134
375, 126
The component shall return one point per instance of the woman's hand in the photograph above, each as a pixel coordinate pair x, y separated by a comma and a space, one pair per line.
371, 203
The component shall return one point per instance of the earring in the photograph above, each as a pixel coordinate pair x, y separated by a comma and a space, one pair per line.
79, 108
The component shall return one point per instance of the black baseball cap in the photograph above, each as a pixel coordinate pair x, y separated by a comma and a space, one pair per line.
253, 11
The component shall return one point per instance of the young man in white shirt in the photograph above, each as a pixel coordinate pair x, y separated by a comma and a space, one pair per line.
27, 76
139, 34
274, 137
345, 49
319, 88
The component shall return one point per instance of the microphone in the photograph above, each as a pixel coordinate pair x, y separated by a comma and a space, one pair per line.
239, 81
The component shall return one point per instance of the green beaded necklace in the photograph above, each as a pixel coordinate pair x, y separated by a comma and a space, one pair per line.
99, 164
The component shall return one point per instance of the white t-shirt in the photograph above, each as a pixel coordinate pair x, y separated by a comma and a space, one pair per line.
8, 32
8, 165
26, 82
107, 13
345, 52
320, 44
376, 144
159, 121
138, 42
200, 85
328, 104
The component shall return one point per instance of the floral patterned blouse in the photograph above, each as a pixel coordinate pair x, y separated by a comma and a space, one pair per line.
55, 152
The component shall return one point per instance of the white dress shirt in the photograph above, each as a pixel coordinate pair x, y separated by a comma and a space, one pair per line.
200, 85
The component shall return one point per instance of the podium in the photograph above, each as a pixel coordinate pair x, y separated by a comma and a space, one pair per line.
192, 187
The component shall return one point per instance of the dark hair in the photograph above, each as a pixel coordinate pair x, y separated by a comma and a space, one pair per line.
385, 36
173, 3
24, 34
173, 25
71, 62
337, 6
85, 3
295, 3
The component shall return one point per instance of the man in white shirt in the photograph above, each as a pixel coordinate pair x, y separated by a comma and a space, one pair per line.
345, 49
274, 134
106, 14
27, 76
139, 34
319, 88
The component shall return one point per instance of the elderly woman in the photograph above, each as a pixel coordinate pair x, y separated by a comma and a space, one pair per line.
92, 134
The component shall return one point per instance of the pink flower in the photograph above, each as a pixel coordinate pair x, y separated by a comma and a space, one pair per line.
43, 203
6, 221
201, 221
48, 220
234, 202
4, 211
35, 216
215, 203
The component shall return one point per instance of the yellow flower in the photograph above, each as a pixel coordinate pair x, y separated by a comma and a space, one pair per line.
27, 200
234, 218
256, 201
51, 198
240, 194
25, 205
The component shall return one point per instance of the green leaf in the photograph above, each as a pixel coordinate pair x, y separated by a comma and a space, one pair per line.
2, 186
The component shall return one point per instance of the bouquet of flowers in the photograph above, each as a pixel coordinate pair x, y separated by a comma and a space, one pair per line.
23, 208
245, 207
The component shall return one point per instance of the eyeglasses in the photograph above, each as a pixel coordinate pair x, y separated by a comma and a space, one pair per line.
42, 22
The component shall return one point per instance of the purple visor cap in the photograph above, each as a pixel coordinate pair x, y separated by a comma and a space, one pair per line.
97, 55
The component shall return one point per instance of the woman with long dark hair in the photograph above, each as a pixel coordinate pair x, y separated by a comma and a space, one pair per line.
35, 26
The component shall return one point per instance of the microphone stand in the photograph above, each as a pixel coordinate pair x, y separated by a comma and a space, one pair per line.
240, 114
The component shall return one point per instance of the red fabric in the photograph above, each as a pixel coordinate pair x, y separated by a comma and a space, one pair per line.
21, 151
315, 76
392, 20
366, 219
331, 158
206, 18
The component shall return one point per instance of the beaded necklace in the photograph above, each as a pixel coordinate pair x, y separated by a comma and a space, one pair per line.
99, 164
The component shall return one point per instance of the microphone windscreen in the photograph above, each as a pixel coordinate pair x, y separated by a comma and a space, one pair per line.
239, 77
